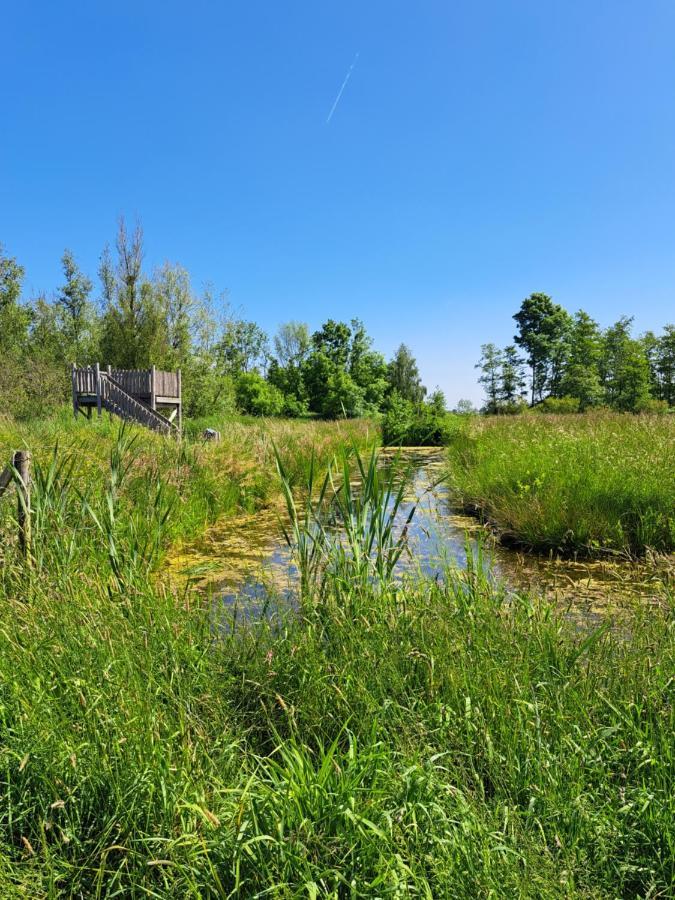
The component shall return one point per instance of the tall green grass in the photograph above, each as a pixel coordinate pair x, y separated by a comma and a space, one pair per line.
572, 484
427, 739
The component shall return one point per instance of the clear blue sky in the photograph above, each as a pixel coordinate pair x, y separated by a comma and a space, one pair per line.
480, 151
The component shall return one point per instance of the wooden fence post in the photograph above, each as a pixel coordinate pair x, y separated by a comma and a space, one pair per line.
74, 379
180, 403
153, 390
98, 390
21, 463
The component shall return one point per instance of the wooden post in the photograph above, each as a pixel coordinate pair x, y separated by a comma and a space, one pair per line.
98, 390
153, 392
74, 379
22, 465
180, 404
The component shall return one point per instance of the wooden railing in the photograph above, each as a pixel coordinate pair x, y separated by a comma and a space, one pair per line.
137, 382
167, 384
84, 380
117, 400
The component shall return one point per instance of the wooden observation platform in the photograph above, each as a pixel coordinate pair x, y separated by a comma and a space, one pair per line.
147, 396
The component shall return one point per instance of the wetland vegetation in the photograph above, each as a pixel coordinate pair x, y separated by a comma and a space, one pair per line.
431, 735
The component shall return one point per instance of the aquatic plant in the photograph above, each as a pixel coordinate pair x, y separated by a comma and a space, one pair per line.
345, 527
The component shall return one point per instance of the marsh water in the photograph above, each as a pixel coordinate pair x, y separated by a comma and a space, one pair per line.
245, 558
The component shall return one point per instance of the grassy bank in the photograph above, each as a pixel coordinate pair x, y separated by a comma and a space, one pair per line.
572, 483
199, 481
431, 740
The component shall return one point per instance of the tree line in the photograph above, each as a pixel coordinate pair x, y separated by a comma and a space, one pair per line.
563, 362
136, 319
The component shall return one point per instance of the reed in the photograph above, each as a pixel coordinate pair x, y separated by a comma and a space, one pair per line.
584, 484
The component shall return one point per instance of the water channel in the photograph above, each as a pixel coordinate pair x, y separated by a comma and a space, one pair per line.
245, 558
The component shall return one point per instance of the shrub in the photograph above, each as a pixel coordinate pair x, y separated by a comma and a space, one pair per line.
344, 398
257, 396
559, 405
417, 425
656, 407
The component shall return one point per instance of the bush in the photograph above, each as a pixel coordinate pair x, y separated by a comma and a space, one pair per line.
31, 388
656, 407
417, 425
258, 397
344, 398
295, 408
559, 405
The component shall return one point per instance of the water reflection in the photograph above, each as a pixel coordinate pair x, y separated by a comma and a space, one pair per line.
243, 559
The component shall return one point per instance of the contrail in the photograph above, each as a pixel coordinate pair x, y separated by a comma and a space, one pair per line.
340, 92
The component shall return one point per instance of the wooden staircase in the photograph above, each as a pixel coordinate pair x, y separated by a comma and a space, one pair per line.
125, 394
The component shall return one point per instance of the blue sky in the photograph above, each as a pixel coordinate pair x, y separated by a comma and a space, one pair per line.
480, 151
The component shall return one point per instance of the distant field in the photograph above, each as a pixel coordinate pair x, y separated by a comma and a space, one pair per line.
583, 483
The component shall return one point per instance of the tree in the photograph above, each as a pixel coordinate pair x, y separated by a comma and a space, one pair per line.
243, 347
581, 378
14, 317
490, 365
291, 347
75, 311
651, 346
367, 368
512, 380
133, 329
625, 369
403, 376
436, 403
343, 397
291, 344
465, 408
543, 328
341, 360
665, 364
178, 307
334, 340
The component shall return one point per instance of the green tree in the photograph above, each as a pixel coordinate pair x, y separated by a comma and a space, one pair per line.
581, 378
291, 347
133, 331
342, 360
512, 380
624, 366
178, 307
334, 340
367, 368
403, 376
291, 344
665, 364
543, 330
436, 403
15, 317
343, 397
490, 365
75, 312
243, 347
